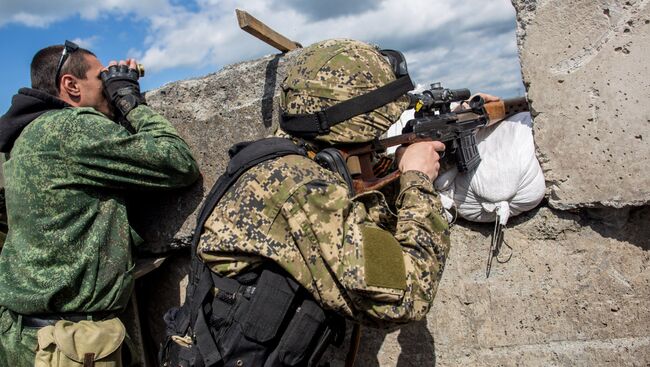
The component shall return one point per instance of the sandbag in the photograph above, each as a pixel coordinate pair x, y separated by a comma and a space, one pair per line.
508, 181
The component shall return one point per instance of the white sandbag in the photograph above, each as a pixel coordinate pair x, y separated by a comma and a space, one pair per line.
444, 184
509, 179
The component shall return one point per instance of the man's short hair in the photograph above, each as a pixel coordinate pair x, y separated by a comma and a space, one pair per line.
45, 62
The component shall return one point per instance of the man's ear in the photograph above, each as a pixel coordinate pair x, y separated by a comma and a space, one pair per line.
70, 87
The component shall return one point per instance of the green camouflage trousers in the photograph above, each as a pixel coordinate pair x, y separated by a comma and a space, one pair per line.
17, 347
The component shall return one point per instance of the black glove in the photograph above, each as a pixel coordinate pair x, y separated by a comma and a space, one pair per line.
121, 87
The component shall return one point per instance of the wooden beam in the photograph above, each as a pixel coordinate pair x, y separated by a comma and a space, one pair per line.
260, 30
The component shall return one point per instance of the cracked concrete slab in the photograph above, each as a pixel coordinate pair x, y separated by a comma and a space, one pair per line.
584, 64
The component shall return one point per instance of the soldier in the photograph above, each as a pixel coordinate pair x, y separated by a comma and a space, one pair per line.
351, 254
65, 269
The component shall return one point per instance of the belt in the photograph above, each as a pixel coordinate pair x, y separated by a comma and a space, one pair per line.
39, 321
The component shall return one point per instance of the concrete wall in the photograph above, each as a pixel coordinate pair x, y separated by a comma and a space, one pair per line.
576, 289
574, 293
584, 63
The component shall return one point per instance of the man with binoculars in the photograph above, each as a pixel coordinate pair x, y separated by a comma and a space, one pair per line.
65, 269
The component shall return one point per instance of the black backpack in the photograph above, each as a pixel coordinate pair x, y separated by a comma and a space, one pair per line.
259, 318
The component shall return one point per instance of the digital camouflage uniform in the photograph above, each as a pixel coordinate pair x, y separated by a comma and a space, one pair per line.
351, 253
69, 246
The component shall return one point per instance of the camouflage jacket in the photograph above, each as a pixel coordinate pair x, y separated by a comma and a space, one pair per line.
69, 243
352, 254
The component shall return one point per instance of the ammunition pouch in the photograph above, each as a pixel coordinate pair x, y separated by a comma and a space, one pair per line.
81, 344
260, 318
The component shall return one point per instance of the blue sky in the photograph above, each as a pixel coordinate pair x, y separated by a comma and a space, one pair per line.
462, 43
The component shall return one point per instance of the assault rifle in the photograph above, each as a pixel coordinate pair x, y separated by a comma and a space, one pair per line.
434, 120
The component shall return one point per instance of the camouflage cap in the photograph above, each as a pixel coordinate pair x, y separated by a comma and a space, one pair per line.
329, 72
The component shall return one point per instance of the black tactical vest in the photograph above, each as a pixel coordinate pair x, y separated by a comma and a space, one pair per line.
259, 318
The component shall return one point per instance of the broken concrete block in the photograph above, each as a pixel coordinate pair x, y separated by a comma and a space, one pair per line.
585, 67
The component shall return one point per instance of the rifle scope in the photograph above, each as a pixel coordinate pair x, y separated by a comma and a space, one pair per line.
437, 96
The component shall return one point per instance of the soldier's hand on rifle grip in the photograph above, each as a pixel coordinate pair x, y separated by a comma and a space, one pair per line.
422, 156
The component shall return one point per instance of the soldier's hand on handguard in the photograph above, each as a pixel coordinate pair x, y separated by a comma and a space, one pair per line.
487, 98
422, 156
121, 85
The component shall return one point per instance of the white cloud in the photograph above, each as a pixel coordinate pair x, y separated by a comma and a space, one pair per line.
459, 42
209, 36
42, 13
87, 43
488, 64
31, 20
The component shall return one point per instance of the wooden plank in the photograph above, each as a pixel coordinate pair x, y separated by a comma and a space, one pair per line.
260, 30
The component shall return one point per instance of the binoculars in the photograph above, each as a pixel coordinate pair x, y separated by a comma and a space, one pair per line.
140, 70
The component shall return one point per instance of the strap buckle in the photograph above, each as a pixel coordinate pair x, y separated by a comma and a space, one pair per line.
323, 124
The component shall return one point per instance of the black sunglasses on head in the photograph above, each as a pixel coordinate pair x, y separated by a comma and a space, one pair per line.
68, 48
